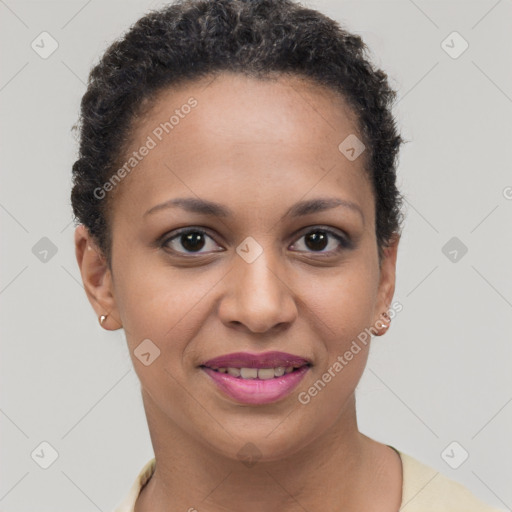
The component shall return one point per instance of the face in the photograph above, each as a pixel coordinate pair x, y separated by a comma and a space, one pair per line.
286, 260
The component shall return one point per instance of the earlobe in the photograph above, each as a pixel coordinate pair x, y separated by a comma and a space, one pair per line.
96, 278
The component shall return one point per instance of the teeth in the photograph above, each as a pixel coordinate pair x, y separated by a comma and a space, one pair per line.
257, 373
264, 373
249, 373
235, 372
279, 371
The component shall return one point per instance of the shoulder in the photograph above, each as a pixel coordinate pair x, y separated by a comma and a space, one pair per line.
128, 503
425, 489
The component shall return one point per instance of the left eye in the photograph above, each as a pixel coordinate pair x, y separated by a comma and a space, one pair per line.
317, 240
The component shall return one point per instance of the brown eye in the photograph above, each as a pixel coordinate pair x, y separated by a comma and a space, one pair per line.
317, 240
192, 241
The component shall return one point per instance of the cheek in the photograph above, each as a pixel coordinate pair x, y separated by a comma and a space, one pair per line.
342, 307
344, 302
159, 318
161, 303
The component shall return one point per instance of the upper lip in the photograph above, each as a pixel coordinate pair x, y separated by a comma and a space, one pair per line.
252, 360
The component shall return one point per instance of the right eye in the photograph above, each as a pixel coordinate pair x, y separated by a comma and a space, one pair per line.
193, 240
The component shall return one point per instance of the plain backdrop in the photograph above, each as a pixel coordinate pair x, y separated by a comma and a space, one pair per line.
442, 372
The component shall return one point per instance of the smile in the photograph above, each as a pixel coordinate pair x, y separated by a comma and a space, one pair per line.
256, 386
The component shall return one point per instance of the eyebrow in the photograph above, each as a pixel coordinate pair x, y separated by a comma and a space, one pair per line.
205, 207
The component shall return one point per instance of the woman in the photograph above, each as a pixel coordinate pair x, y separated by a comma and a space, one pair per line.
239, 219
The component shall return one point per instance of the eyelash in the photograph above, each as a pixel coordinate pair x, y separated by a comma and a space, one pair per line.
343, 242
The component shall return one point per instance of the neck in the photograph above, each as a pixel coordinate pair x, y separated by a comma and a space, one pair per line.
341, 469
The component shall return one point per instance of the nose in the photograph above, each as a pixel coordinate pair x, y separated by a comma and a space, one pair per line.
258, 296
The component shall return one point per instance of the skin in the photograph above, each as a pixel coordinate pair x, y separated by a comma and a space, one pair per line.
257, 147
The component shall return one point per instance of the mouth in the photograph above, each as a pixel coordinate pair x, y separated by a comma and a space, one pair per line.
256, 379
263, 366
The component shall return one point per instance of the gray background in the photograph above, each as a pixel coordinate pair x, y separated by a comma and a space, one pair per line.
440, 374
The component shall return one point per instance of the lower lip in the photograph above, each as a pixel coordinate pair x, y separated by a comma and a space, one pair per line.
257, 391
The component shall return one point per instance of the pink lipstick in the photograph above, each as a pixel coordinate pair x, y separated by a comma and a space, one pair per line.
256, 378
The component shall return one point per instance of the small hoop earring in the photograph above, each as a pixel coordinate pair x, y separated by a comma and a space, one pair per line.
102, 319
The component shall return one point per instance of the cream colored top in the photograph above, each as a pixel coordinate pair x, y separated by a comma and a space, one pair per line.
423, 490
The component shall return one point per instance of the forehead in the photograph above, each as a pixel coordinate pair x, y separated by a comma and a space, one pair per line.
280, 133
285, 109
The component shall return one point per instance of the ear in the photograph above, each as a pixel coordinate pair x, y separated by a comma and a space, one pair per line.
96, 277
386, 288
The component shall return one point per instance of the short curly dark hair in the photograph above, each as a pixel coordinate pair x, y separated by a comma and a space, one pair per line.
190, 39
